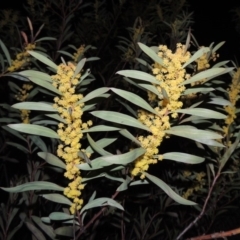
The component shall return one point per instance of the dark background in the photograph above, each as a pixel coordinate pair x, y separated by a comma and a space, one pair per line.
213, 23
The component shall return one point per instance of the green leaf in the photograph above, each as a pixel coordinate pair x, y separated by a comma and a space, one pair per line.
57, 117
96, 147
79, 67
46, 39
31, 186
168, 190
229, 151
52, 159
34, 129
135, 99
44, 84
217, 46
187, 131
119, 118
138, 75
220, 101
104, 142
36, 74
126, 158
60, 216
67, 231
139, 182
43, 59
35, 231
58, 198
92, 59
121, 159
18, 146
150, 88
8, 120
66, 53
128, 135
151, 53
196, 90
17, 134
100, 202
202, 112
124, 185
183, 157
213, 72
101, 128
197, 55
41, 106
94, 94
6, 53
210, 142
46, 228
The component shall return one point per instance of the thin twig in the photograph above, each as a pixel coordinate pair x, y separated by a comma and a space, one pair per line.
217, 235
94, 218
203, 209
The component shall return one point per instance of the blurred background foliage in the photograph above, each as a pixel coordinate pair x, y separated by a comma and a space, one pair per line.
108, 32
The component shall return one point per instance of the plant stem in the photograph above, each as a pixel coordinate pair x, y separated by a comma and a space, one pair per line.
203, 209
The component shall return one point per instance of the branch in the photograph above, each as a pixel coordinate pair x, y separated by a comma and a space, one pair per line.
203, 209
217, 235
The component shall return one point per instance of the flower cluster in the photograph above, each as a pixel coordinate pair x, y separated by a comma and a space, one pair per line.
70, 132
170, 76
198, 185
21, 96
233, 93
22, 58
79, 53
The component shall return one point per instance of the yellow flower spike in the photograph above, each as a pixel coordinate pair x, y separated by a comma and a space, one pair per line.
70, 132
171, 75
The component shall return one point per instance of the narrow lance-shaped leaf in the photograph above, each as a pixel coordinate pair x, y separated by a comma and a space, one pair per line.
192, 133
79, 67
125, 158
168, 190
138, 75
38, 142
128, 135
6, 52
151, 53
34, 129
217, 46
135, 99
120, 159
202, 112
104, 142
46, 228
44, 84
52, 159
220, 101
31, 186
183, 157
196, 90
229, 151
101, 128
58, 198
59, 216
94, 94
119, 118
100, 202
205, 74
96, 147
43, 59
36, 74
196, 55
39, 106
